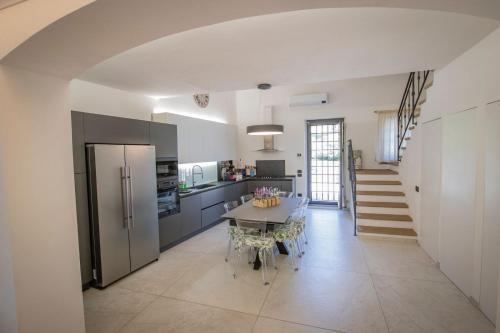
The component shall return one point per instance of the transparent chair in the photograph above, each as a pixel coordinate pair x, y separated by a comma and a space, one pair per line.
262, 242
231, 230
245, 198
299, 220
287, 233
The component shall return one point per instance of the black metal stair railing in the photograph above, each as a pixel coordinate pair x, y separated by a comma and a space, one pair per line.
352, 179
409, 104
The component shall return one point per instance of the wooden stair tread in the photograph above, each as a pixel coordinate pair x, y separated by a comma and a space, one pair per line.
386, 193
381, 204
386, 231
407, 138
384, 217
376, 172
378, 182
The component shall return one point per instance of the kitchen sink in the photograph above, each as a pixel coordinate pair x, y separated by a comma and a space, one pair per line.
202, 186
185, 191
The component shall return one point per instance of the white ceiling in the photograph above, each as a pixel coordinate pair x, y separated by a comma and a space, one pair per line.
292, 48
105, 28
7, 3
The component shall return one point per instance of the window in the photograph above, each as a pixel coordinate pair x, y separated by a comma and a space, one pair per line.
387, 143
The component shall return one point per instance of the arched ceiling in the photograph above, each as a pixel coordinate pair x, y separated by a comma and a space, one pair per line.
290, 48
105, 28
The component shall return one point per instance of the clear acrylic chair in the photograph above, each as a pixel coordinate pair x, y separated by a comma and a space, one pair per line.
287, 233
231, 230
298, 218
245, 198
262, 242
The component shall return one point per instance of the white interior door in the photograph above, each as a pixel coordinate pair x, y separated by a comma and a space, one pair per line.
430, 188
458, 188
491, 226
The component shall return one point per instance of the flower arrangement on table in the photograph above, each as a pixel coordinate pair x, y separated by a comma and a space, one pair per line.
265, 197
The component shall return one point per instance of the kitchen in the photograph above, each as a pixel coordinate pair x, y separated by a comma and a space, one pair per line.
135, 197
183, 210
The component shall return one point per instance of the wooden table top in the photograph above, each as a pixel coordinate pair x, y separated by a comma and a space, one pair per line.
277, 214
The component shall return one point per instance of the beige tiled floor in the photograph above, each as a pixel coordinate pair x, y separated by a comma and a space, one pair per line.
344, 284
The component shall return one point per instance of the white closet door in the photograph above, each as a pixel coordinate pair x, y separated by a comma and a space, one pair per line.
491, 227
458, 188
430, 188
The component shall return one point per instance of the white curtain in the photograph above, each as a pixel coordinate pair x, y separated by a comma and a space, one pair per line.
387, 144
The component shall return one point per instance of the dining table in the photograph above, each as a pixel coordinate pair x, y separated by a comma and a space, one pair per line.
268, 216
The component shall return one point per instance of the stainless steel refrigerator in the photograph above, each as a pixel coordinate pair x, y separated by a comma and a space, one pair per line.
123, 209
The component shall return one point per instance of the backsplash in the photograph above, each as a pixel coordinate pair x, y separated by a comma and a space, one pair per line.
209, 173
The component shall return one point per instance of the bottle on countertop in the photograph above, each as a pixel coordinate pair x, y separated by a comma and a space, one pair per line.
252, 171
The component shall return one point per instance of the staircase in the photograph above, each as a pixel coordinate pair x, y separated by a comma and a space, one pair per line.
381, 209
379, 202
414, 96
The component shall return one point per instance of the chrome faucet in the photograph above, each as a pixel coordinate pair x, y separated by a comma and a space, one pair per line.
197, 173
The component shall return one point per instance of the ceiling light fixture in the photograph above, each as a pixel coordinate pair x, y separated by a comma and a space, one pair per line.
264, 129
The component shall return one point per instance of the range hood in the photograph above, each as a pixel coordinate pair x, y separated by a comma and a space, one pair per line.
268, 144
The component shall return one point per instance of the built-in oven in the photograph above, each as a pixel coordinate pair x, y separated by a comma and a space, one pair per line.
167, 188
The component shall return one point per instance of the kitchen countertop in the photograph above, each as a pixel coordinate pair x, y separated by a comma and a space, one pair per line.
220, 184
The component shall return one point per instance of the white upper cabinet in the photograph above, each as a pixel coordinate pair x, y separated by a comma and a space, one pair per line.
203, 141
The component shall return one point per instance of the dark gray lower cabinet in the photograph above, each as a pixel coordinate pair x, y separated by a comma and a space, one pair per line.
212, 197
212, 214
190, 214
170, 229
234, 191
82, 218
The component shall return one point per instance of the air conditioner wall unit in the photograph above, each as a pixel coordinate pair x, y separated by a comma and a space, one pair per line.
308, 100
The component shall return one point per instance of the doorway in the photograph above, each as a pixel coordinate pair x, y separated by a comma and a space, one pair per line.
325, 146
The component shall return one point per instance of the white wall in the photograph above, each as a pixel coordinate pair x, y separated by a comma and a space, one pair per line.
355, 100
39, 200
409, 170
94, 98
469, 82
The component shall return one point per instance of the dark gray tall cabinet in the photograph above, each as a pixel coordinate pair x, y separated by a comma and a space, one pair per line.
164, 137
115, 130
95, 128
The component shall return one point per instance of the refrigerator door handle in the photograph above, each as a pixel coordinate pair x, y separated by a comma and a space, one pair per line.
125, 197
131, 198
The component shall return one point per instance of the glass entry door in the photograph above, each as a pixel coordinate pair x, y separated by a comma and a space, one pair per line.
325, 145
